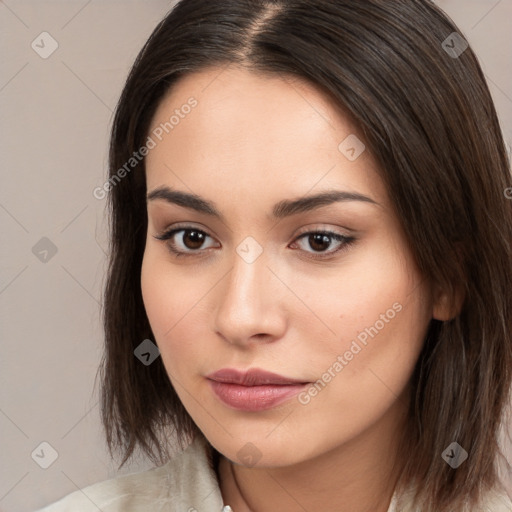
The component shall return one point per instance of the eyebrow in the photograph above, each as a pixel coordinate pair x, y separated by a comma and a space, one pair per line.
282, 209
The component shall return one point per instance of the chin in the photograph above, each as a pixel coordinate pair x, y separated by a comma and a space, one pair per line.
260, 450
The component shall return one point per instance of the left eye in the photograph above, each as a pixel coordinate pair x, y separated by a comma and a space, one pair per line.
320, 241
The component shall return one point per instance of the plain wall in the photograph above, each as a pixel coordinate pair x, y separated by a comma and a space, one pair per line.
55, 119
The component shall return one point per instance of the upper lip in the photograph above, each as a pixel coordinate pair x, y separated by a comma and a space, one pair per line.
252, 377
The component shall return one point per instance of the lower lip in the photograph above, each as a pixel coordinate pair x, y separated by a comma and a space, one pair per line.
254, 398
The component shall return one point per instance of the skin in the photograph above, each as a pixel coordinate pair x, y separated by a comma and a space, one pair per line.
251, 142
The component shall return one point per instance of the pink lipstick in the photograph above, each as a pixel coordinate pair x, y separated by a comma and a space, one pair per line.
253, 390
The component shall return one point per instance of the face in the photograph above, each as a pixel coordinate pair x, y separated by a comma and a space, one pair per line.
324, 294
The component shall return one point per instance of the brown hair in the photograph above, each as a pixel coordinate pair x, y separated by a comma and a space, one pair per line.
429, 121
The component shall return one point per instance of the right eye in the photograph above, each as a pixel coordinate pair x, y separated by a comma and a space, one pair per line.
188, 243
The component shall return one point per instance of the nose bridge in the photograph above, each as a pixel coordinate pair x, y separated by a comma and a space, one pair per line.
249, 301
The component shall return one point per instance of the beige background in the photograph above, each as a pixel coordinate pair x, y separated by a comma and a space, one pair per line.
55, 117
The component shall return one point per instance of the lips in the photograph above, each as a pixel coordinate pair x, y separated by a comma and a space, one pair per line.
253, 390
252, 377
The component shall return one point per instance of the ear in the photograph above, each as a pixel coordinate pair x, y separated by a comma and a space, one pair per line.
447, 302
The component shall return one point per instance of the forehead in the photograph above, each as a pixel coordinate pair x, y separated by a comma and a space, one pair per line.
268, 131
269, 101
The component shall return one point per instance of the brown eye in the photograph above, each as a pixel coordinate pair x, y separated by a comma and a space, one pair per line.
320, 242
193, 239
185, 241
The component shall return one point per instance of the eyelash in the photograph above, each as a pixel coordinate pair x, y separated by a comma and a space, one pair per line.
346, 241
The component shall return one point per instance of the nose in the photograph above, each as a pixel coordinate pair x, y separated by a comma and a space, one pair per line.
251, 304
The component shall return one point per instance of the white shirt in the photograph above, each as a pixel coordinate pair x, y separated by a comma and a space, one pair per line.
187, 483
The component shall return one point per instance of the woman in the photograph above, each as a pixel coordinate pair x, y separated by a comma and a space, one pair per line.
310, 267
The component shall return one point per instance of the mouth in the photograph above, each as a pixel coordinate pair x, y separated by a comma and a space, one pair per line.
253, 390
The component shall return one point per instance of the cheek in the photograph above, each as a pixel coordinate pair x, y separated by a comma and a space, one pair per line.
172, 300
382, 313
168, 294
159, 303
375, 371
376, 294
386, 347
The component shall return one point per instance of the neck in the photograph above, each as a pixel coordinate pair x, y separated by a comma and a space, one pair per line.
358, 476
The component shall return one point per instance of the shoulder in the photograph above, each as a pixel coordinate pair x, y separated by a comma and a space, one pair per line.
495, 500
186, 482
